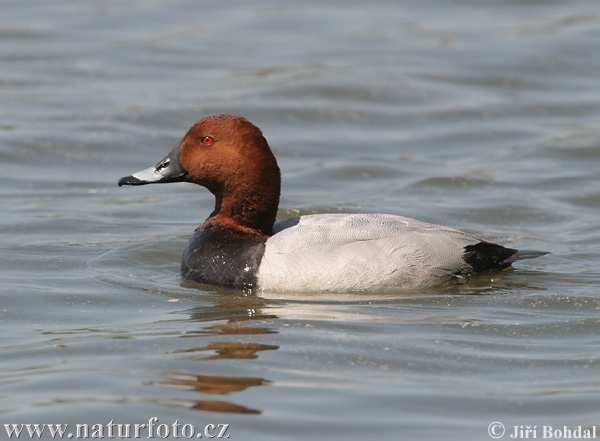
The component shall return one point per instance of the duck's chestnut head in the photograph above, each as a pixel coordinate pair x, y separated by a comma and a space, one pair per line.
230, 156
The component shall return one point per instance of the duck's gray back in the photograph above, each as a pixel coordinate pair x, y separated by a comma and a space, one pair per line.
361, 252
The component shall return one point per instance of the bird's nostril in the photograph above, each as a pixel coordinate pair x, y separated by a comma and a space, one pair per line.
163, 165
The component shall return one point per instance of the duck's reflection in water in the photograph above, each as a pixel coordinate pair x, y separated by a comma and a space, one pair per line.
233, 327
228, 349
215, 385
237, 314
223, 406
212, 384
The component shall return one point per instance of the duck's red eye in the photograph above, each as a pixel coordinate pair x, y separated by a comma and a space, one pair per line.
207, 140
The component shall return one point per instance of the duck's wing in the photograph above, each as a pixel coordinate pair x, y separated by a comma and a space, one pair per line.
361, 252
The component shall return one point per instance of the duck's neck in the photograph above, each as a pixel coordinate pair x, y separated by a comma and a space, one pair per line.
250, 207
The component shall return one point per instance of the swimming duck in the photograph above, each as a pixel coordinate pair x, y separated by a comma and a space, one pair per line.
240, 245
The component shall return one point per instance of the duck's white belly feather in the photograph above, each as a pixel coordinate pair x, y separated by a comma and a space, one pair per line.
360, 252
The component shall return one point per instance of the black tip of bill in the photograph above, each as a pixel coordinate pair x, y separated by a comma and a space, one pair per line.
130, 180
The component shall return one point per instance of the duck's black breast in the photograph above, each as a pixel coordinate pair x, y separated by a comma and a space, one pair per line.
222, 256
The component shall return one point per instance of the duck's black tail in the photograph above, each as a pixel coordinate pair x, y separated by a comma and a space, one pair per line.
525, 254
487, 256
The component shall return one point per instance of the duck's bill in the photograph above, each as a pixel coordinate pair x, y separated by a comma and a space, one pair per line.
167, 169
